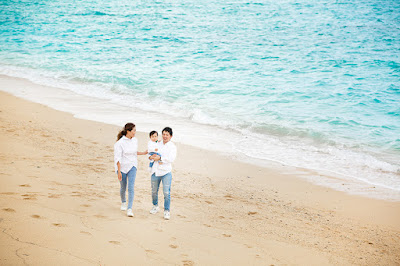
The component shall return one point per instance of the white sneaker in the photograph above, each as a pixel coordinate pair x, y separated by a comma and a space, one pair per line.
124, 206
129, 213
155, 209
167, 215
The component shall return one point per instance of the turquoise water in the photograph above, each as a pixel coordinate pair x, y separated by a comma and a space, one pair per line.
313, 84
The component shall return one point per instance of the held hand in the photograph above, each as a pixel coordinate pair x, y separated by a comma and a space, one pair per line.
155, 157
142, 153
119, 176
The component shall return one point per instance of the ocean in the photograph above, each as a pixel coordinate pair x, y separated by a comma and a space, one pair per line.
308, 84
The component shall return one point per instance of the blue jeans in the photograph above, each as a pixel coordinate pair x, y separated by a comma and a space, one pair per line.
155, 185
130, 177
152, 161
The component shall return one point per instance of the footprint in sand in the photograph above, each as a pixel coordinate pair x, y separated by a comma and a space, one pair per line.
207, 225
86, 205
8, 210
100, 216
226, 235
188, 262
86, 233
8, 193
36, 216
173, 246
59, 225
76, 194
209, 202
151, 251
251, 213
25, 185
114, 242
54, 196
30, 198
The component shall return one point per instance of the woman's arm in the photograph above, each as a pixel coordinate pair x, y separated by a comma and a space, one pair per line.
119, 171
142, 152
117, 159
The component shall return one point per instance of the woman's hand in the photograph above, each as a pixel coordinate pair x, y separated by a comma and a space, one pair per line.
119, 176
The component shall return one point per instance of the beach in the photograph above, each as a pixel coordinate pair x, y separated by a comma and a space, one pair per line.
60, 205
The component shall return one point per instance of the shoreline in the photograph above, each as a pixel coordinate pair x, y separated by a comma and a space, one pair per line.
103, 111
61, 204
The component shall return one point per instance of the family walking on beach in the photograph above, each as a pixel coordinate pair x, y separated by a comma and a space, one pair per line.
161, 155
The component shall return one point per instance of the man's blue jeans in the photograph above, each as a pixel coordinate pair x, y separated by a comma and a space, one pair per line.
130, 177
155, 185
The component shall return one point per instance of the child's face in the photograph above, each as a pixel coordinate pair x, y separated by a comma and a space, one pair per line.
154, 137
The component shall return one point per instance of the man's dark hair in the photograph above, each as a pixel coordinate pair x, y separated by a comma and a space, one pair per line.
168, 129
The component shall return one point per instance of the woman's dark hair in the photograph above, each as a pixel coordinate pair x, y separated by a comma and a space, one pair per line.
152, 133
128, 127
168, 129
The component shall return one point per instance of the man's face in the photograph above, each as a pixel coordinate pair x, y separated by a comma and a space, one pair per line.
166, 136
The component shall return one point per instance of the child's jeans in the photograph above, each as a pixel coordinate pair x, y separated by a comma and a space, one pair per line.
152, 161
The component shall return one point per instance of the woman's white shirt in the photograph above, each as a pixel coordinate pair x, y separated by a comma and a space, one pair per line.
168, 155
125, 152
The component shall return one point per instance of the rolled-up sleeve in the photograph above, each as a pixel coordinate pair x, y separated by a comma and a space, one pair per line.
117, 154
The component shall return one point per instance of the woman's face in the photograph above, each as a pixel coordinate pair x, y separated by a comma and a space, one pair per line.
166, 136
131, 134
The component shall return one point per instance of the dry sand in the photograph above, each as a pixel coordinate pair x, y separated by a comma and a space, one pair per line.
60, 205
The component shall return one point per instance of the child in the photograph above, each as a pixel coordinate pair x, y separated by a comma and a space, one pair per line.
152, 146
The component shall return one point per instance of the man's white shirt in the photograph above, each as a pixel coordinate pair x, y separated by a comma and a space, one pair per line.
168, 155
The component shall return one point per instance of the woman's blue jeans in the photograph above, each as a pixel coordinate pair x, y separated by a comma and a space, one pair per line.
130, 179
155, 185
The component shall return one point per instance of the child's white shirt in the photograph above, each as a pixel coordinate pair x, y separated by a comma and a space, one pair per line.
152, 146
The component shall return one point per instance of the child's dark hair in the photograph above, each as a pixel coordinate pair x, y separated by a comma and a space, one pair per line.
168, 129
152, 133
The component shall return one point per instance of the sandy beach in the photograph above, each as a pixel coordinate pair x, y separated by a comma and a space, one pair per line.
60, 205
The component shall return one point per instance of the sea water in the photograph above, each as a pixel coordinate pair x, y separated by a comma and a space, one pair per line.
305, 83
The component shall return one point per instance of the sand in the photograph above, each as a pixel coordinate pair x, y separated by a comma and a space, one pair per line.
60, 204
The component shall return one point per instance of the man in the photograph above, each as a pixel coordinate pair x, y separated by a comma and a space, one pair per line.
161, 172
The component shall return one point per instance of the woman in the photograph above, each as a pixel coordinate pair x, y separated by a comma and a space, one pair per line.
161, 172
125, 160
